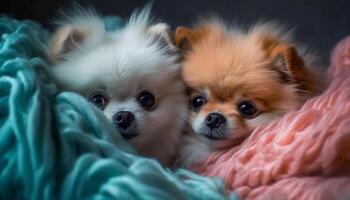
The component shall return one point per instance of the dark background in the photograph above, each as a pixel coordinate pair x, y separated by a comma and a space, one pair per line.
320, 24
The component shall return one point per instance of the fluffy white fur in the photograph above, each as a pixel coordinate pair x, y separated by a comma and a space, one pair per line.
121, 64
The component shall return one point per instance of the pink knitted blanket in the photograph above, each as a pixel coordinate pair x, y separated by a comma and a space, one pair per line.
304, 155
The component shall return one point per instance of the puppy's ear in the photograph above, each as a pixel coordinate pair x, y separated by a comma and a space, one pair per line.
291, 66
64, 40
161, 32
185, 38
286, 58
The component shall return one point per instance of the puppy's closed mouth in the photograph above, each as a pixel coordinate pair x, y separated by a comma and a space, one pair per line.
128, 136
214, 135
128, 133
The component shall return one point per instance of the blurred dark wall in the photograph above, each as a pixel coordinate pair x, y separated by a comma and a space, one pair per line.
319, 23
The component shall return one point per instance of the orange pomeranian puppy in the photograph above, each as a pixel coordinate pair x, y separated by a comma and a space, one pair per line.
238, 80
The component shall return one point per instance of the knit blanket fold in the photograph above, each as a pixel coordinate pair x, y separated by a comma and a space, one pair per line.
56, 145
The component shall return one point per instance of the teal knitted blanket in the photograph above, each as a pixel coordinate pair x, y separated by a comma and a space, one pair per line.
56, 145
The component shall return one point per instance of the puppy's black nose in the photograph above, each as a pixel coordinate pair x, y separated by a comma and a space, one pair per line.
123, 119
214, 120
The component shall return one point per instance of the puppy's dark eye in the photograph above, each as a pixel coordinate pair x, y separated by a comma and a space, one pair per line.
146, 100
198, 102
98, 99
247, 109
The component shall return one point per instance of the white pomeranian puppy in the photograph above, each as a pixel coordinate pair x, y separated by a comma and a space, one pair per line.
132, 74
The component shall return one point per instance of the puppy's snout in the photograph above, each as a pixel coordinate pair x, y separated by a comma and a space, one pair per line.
123, 119
215, 120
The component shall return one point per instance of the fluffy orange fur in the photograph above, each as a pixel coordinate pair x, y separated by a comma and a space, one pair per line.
228, 66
